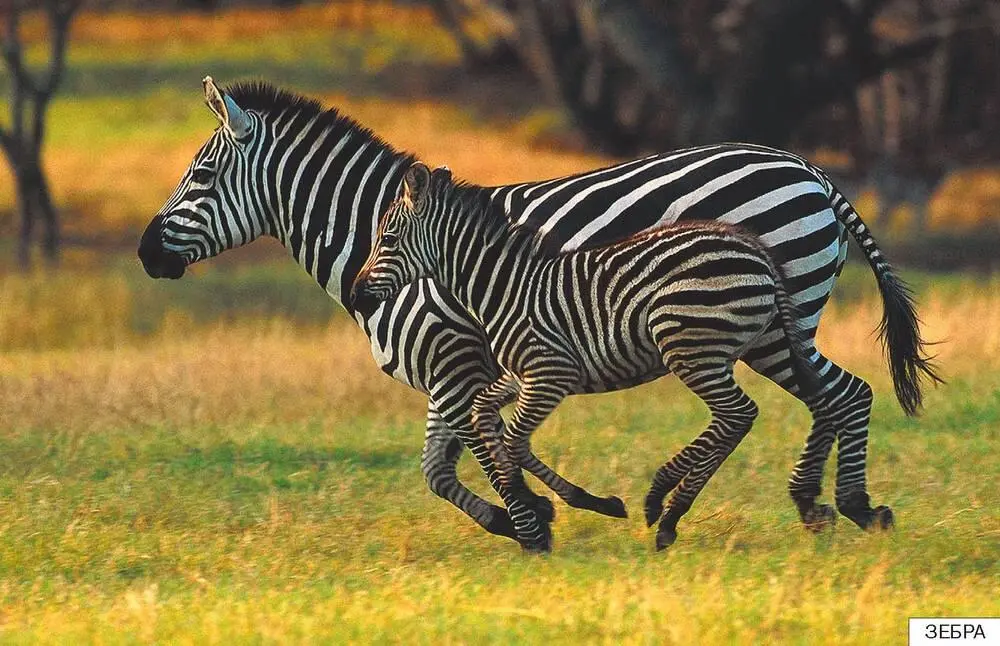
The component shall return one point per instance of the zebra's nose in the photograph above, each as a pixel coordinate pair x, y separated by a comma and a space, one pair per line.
157, 261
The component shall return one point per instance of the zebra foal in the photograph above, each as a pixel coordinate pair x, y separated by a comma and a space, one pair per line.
688, 299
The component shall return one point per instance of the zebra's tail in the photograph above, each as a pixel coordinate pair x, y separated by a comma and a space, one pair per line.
806, 376
899, 329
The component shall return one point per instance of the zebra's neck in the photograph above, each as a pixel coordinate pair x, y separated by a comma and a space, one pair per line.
485, 262
326, 186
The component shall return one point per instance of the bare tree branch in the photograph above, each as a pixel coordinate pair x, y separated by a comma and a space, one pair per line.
21, 146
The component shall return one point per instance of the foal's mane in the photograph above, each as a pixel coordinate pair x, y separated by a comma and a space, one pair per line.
474, 201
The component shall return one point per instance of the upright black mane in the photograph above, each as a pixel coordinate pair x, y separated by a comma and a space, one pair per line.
475, 202
264, 98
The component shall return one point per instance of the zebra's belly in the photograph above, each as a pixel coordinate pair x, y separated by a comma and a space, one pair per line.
608, 367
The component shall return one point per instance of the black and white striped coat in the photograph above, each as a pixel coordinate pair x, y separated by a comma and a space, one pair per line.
689, 299
281, 165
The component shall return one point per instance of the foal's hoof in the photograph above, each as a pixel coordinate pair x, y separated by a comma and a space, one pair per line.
614, 507
882, 518
818, 518
544, 509
665, 537
540, 543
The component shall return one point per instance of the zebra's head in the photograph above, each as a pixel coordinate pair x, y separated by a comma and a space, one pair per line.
405, 248
211, 209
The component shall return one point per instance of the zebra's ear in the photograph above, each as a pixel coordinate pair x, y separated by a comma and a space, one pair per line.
225, 109
443, 171
415, 183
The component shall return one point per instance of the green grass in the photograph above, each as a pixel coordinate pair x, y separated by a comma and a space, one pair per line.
234, 477
312, 530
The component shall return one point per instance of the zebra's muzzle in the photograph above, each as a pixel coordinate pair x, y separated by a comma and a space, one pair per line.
157, 261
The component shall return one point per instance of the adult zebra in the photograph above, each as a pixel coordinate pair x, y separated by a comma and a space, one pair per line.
281, 165
688, 298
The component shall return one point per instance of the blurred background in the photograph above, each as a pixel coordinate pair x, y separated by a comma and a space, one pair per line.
101, 111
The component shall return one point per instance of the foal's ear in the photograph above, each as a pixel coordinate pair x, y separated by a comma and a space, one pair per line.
416, 181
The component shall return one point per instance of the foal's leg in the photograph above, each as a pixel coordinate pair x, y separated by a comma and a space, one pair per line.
733, 413
442, 448
532, 533
573, 495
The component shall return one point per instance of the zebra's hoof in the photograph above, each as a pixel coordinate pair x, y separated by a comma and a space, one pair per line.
653, 510
882, 518
541, 544
665, 537
818, 518
857, 508
544, 509
500, 524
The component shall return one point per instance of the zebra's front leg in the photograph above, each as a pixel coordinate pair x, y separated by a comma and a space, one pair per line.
442, 448
533, 533
573, 495
542, 387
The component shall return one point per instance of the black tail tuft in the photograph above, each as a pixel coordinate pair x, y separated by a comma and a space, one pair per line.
899, 332
900, 327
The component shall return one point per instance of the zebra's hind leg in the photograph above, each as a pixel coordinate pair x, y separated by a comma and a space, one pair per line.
733, 414
841, 412
852, 411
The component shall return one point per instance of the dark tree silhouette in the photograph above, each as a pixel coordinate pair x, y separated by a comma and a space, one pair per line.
22, 136
640, 74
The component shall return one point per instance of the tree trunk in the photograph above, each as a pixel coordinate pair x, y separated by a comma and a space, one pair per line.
27, 213
50, 220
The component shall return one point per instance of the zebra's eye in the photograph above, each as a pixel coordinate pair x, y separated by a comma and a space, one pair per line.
202, 175
389, 240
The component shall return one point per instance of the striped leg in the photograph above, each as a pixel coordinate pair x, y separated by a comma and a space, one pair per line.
733, 414
840, 413
450, 418
533, 534
573, 495
849, 403
442, 448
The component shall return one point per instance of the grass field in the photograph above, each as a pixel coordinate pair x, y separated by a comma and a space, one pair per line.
218, 460
248, 474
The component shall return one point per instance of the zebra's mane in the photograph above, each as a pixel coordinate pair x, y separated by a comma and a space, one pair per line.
474, 201
262, 97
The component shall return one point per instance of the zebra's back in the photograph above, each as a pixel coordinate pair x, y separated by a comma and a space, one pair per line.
706, 286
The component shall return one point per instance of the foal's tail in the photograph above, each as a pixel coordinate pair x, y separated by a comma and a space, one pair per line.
800, 348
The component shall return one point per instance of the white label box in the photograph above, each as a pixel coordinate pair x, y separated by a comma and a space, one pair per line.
954, 631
